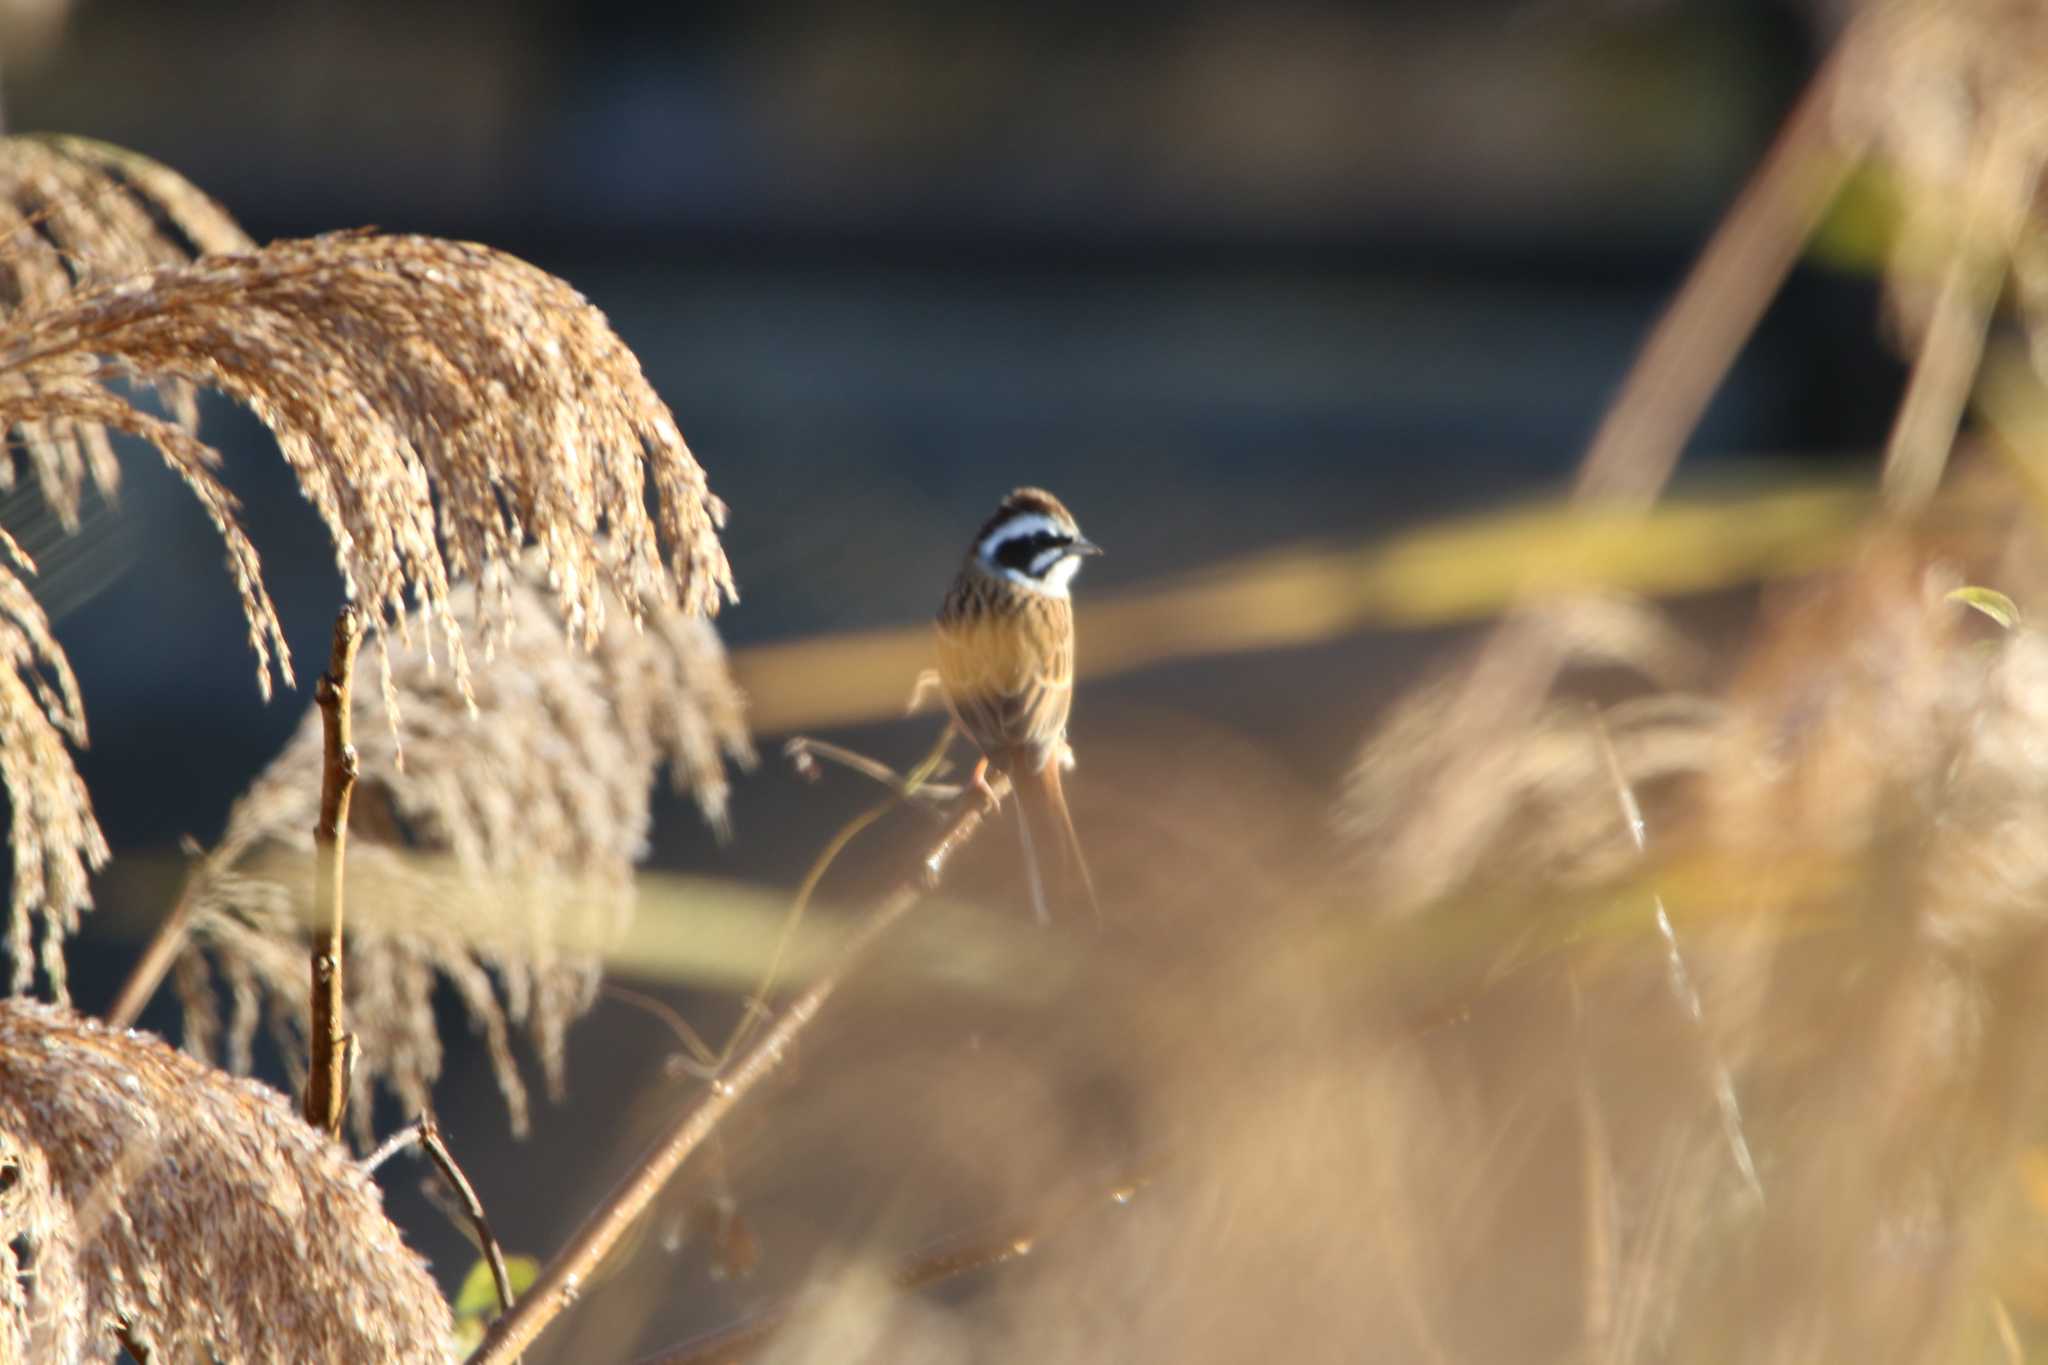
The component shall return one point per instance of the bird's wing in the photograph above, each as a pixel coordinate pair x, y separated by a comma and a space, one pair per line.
1008, 669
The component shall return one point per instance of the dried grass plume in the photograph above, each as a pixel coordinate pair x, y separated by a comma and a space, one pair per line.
72, 213
499, 858
151, 1203
443, 405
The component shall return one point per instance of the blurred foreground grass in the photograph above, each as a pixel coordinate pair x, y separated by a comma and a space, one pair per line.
1474, 1122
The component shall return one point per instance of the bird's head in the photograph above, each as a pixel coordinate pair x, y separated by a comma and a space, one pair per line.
1033, 541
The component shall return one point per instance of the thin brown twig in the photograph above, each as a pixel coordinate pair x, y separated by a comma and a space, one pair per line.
907, 788
702, 1062
437, 1152
424, 1132
562, 1280
803, 751
326, 1080
408, 1136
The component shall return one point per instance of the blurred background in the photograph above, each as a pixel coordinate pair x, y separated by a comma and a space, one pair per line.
1227, 277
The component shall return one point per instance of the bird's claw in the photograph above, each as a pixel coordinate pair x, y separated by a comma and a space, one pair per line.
991, 799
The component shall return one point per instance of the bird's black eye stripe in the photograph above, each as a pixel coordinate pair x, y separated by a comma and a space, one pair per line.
1019, 551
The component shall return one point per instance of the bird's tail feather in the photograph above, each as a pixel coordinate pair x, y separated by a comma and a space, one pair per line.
1042, 815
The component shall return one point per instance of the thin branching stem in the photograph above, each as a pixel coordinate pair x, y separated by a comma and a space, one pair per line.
424, 1132
437, 1152
562, 1280
408, 1136
910, 786
1682, 988
702, 1062
326, 1080
803, 750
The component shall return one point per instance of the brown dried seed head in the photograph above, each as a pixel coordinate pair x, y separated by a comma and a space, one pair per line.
503, 849
442, 404
192, 1213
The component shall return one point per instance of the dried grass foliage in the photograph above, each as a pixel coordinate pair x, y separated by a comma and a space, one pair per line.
73, 213
1849, 835
1530, 795
498, 859
442, 404
1948, 93
1474, 1123
146, 1197
1948, 98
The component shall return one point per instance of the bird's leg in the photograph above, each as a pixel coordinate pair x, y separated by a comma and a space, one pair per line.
990, 801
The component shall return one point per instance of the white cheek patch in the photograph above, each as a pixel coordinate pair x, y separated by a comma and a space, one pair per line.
1054, 580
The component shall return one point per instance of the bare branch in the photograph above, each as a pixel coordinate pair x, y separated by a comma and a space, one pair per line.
562, 1280
326, 1086
472, 1207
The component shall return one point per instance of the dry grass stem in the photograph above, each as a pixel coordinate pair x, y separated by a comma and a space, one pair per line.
1947, 94
1694, 343
1683, 990
327, 1026
498, 859
425, 1133
1530, 794
154, 1201
562, 1278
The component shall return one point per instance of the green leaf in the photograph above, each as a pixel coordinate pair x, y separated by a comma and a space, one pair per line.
1991, 602
479, 1295
1857, 232
477, 1302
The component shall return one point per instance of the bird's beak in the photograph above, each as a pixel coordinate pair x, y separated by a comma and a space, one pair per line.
1084, 546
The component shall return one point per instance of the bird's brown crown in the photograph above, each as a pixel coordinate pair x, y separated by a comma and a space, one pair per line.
1022, 502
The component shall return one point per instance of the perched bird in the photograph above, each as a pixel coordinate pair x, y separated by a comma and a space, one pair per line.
1006, 663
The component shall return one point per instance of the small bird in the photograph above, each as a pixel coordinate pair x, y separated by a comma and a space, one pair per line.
1006, 663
